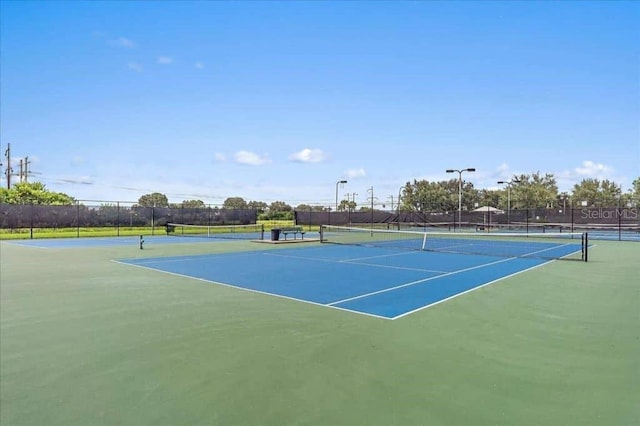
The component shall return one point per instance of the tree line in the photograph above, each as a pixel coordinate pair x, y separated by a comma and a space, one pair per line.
525, 191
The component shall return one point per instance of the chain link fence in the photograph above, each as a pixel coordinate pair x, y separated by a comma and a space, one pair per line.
604, 223
21, 217
621, 223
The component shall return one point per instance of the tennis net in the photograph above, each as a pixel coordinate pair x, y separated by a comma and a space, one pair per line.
253, 231
561, 245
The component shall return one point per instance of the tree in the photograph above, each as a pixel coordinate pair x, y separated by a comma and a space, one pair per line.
155, 199
596, 193
258, 206
423, 196
346, 205
279, 210
533, 191
34, 193
280, 206
493, 198
471, 197
193, 204
306, 207
237, 203
634, 194
610, 193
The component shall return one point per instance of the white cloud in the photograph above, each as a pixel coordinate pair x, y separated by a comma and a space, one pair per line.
219, 156
589, 169
251, 158
135, 66
165, 60
308, 155
355, 173
122, 42
199, 65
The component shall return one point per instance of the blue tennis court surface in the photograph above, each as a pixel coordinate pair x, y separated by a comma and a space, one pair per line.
380, 282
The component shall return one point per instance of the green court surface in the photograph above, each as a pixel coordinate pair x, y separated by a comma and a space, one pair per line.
85, 340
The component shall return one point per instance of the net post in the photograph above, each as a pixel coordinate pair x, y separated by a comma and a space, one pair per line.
585, 246
322, 233
424, 242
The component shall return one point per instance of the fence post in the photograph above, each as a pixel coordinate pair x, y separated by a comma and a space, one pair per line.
31, 222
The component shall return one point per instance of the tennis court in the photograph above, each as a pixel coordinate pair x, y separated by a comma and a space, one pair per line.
175, 234
214, 331
377, 281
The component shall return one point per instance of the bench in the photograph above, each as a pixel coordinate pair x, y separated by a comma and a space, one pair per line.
295, 230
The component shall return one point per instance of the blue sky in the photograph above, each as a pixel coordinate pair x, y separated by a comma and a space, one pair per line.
277, 101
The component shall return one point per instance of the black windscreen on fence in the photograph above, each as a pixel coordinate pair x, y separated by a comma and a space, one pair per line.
25, 216
606, 223
610, 223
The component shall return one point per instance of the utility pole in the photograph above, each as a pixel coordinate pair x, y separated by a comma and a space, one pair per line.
391, 196
26, 169
8, 170
372, 198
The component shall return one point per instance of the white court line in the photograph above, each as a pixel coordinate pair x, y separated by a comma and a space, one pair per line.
27, 245
332, 304
468, 291
311, 259
175, 259
404, 253
250, 290
451, 249
421, 281
480, 286
551, 248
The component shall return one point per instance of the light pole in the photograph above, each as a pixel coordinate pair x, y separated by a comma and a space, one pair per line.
338, 183
470, 169
400, 192
502, 182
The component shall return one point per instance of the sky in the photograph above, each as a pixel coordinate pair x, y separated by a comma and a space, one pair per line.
279, 101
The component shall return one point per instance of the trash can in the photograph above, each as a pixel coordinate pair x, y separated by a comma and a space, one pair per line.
275, 234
